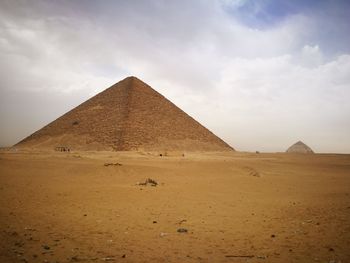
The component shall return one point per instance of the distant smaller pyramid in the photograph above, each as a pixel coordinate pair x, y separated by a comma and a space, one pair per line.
299, 147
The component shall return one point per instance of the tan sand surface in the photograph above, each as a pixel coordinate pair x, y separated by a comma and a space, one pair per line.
236, 207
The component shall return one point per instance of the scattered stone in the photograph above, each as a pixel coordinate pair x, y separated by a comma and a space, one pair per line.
149, 181
162, 234
46, 247
182, 230
75, 259
273, 235
112, 164
154, 222
85, 214
108, 259
261, 257
34, 255
62, 149
19, 244
254, 173
124, 256
331, 249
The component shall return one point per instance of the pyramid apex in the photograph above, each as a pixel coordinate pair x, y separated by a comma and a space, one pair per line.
132, 78
131, 81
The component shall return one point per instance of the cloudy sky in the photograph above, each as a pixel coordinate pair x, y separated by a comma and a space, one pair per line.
260, 74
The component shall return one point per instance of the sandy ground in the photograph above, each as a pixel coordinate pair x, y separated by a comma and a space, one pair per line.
236, 207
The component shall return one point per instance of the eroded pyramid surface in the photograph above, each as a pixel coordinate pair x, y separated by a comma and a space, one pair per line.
129, 115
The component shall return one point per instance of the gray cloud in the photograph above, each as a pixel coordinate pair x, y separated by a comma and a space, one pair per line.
257, 88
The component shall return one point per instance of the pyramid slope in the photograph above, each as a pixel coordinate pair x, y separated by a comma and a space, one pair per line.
129, 115
299, 147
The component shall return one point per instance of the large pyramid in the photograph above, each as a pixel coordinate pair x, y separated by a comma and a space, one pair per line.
299, 147
129, 115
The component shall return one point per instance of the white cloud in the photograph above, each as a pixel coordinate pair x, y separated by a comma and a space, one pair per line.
259, 89
265, 102
311, 55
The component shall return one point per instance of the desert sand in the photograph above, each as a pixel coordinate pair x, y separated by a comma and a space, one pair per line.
236, 207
